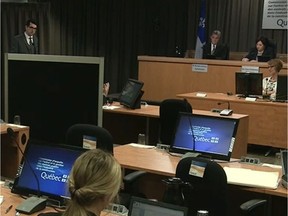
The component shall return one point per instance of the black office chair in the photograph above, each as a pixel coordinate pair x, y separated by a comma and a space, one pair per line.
207, 193
210, 192
273, 46
77, 132
169, 110
104, 141
254, 207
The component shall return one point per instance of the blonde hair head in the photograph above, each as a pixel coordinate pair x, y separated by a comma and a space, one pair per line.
277, 63
95, 175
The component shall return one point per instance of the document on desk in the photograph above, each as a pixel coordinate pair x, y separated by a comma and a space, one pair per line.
252, 178
110, 107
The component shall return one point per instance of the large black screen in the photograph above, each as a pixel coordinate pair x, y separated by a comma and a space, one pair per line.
281, 91
248, 84
50, 94
131, 94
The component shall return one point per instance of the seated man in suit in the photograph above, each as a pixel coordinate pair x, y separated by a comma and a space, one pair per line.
26, 42
215, 50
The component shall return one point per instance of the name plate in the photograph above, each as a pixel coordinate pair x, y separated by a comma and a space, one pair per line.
250, 69
199, 67
199, 94
250, 99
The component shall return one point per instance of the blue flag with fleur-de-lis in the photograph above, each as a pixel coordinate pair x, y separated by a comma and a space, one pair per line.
201, 32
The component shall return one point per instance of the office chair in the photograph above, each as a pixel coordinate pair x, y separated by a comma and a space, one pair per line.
227, 52
207, 193
273, 45
104, 139
254, 207
210, 192
169, 110
76, 133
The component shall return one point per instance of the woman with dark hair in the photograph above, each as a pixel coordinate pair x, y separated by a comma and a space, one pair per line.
262, 48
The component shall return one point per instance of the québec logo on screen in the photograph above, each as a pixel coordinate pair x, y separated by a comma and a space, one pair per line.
206, 139
53, 177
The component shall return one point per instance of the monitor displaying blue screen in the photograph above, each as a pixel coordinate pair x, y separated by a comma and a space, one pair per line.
212, 136
51, 164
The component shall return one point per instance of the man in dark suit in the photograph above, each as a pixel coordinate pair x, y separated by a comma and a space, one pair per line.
26, 42
215, 50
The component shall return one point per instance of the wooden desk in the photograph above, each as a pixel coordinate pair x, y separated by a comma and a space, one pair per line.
267, 120
125, 124
160, 162
152, 113
15, 200
160, 165
165, 77
10, 154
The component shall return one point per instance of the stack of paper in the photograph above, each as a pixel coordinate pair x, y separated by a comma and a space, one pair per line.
252, 178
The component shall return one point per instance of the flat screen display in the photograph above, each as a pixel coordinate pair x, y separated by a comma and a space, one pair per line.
140, 206
210, 136
51, 164
281, 91
131, 94
51, 93
248, 84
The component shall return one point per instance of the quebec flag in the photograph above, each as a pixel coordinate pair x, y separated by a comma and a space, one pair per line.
201, 32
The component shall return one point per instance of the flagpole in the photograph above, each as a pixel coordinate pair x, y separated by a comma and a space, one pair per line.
201, 31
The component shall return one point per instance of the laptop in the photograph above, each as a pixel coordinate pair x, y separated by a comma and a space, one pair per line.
140, 206
45, 170
208, 136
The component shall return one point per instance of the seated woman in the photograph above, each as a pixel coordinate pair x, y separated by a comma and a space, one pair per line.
94, 182
270, 83
262, 49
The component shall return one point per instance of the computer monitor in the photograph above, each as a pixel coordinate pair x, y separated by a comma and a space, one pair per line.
284, 158
210, 136
51, 93
51, 165
248, 84
131, 94
281, 91
141, 206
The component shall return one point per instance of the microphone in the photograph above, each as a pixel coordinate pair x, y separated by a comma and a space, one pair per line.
225, 112
220, 103
31, 204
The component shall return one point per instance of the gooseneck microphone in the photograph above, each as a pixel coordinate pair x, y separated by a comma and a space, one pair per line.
220, 103
225, 112
31, 204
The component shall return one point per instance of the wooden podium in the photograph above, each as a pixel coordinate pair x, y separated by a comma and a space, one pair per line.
10, 154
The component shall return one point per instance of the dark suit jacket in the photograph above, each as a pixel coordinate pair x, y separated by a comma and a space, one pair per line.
221, 52
269, 52
20, 45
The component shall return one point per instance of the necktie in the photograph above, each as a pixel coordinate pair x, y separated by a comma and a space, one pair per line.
30, 41
214, 48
